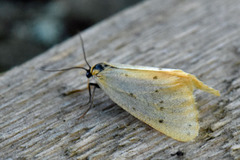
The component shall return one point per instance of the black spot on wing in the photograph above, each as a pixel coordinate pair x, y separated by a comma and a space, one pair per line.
160, 121
132, 95
161, 108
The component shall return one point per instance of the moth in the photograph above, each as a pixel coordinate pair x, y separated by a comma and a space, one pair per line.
162, 98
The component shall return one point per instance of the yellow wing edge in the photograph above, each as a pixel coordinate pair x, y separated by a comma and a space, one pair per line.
200, 85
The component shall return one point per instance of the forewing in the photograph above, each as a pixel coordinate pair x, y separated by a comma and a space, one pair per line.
162, 99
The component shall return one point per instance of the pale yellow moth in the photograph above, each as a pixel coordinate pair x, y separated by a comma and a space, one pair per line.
162, 98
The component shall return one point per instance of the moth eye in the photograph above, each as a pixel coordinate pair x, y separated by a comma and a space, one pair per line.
88, 74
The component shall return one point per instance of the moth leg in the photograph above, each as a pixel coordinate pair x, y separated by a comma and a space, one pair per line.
72, 92
80, 90
89, 91
91, 98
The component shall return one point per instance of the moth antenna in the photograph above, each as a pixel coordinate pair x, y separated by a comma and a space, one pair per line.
83, 49
64, 69
76, 67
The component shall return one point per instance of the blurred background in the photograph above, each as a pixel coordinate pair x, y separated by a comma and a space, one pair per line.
29, 27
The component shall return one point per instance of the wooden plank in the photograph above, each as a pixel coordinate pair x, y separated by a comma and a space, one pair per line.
200, 37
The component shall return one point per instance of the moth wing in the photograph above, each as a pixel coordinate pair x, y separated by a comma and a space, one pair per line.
161, 98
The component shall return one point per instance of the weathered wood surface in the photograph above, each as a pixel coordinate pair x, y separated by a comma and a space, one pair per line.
200, 37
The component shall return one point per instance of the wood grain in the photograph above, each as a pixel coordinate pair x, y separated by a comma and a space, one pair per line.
200, 37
